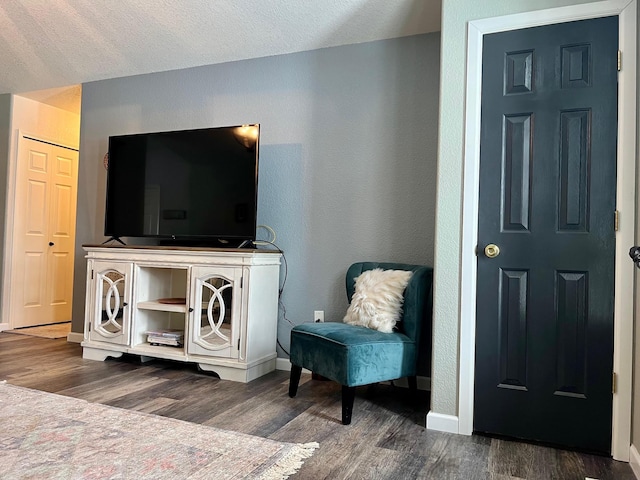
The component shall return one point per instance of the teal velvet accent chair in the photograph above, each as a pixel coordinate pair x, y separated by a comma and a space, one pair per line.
354, 355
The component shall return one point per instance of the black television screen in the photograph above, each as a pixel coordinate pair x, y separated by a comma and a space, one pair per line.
186, 186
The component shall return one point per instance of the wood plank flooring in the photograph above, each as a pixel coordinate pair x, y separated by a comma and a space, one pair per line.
386, 440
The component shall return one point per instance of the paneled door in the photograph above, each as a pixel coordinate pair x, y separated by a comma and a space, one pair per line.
43, 234
546, 234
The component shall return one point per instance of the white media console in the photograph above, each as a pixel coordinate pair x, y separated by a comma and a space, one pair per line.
223, 301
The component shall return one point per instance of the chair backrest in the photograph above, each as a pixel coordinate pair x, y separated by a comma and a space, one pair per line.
417, 295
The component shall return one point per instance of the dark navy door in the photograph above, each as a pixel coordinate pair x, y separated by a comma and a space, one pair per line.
546, 240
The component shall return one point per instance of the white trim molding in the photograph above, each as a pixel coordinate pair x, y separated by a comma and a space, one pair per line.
74, 337
634, 461
424, 383
285, 365
442, 423
625, 203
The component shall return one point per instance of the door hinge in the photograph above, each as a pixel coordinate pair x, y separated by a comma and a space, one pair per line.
241, 281
616, 220
614, 383
91, 274
619, 60
238, 344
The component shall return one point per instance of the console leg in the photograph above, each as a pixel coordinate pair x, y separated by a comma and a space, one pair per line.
348, 396
294, 380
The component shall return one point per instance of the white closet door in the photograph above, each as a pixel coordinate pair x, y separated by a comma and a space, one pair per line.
43, 234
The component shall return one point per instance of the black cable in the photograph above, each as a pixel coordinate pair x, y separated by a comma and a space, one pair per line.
281, 290
282, 348
286, 265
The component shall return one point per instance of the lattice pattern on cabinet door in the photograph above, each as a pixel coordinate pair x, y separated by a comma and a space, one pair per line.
214, 333
111, 288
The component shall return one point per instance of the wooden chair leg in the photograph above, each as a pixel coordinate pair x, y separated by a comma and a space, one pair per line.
348, 396
294, 380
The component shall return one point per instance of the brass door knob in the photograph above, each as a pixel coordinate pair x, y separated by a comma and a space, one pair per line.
492, 250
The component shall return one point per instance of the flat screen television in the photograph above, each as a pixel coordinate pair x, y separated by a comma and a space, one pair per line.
188, 187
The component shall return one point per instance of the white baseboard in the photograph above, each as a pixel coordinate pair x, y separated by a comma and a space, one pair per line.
442, 423
285, 365
424, 383
4, 326
634, 461
74, 337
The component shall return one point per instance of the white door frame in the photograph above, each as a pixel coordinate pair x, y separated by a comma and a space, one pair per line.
625, 203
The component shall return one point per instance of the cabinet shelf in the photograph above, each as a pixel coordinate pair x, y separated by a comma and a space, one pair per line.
160, 351
162, 307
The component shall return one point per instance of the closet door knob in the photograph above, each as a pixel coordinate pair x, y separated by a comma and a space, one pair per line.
51, 244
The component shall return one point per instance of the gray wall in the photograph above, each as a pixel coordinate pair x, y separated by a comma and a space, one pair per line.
5, 134
347, 155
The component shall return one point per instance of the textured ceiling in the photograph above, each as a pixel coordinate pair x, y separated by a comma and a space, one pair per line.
46, 44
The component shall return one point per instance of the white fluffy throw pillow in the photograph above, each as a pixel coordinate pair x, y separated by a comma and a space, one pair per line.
378, 298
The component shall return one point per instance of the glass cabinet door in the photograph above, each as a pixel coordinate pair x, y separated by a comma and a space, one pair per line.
110, 322
215, 312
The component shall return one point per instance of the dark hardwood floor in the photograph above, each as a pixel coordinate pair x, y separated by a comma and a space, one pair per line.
386, 440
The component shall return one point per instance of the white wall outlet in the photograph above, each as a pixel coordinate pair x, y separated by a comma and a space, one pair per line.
318, 316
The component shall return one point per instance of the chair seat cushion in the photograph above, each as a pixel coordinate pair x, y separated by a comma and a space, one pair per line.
352, 355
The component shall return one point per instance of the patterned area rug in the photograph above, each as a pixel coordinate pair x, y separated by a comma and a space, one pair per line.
43, 435
57, 330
